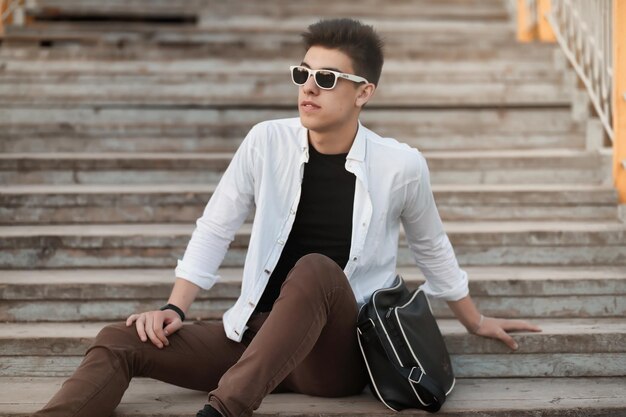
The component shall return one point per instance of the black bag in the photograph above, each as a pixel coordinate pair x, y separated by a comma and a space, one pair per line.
406, 357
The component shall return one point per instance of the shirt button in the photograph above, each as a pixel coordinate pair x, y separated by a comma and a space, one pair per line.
364, 224
267, 271
355, 258
251, 304
281, 242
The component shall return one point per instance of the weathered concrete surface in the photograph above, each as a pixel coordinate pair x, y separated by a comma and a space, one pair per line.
571, 335
94, 294
158, 245
80, 203
484, 10
223, 90
438, 129
565, 348
546, 397
478, 167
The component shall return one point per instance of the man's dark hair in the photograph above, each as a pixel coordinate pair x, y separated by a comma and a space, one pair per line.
360, 42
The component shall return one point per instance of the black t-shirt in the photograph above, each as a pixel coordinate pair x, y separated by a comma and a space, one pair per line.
323, 223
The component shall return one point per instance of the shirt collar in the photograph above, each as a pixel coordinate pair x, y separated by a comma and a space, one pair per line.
357, 150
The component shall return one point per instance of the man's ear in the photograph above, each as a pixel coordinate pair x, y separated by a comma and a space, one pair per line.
365, 94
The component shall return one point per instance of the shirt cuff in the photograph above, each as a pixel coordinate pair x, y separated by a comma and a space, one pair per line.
202, 279
454, 293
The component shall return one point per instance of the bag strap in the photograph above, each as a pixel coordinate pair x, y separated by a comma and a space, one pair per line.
425, 382
422, 380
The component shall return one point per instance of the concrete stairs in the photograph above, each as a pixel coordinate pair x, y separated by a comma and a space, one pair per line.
117, 121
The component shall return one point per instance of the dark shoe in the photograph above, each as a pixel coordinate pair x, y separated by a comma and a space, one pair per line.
208, 411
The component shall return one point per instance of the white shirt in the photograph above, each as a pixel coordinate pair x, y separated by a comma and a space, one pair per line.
392, 187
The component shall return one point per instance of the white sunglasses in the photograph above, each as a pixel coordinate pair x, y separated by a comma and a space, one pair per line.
325, 79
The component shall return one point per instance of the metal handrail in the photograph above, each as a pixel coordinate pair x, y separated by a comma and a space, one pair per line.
584, 30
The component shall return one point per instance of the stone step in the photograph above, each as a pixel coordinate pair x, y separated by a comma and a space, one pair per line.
45, 69
193, 130
435, 10
565, 348
60, 295
285, 29
442, 39
557, 166
66, 138
510, 397
159, 245
275, 89
68, 9
259, 72
85, 9
51, 204
28, 47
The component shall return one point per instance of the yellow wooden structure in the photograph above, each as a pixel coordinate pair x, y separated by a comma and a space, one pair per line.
4, 4
619, 98
531, 21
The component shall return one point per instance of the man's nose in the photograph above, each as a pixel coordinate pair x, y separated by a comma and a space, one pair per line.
310, 87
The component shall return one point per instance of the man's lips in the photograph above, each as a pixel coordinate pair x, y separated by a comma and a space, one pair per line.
309, 105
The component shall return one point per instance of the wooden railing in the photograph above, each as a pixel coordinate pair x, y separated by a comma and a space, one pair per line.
592, 35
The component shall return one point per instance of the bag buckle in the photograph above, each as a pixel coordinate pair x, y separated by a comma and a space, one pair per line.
412, 377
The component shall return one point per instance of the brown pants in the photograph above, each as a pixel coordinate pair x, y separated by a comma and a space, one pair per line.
307, 344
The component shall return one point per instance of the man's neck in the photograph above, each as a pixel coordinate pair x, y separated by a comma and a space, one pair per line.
334, 142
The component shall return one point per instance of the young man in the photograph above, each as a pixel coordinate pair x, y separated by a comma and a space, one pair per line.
329, 197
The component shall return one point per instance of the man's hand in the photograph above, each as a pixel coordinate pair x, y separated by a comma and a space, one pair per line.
155, 325
498, 328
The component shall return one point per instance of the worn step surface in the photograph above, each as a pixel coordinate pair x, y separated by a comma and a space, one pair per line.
565, 348
276, 90
254, 83
515, 397
66, 9
159, 245
256, 38
29, 46
192, 130
80, 203
60, 9
113, 294
27, 69
467, 167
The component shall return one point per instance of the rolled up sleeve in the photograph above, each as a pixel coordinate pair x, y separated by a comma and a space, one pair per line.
223, 216
428, 241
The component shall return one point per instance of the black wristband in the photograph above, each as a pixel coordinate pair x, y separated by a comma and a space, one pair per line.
174, 308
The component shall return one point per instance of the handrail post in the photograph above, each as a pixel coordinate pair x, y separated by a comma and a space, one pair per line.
3, 6
545, 32
619, 98
525, 32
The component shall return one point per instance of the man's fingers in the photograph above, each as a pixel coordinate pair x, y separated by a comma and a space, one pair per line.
508, 340
140, 326
519, 325
150, 331
173, 327
157, 328
131, 319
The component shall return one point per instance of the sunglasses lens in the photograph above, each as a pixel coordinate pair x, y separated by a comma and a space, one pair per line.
299, 75
325, 79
